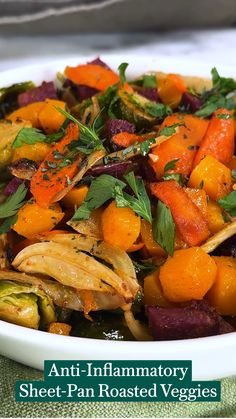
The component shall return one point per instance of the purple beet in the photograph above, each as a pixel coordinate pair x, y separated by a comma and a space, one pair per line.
97, 61
114, 126
12, 186
190, 102
145, 170
117, 169
227, 248
193, 321
38, 94
149, 93
80, 91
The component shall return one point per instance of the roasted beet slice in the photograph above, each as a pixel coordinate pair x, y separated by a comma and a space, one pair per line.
150, 93
79, 91
117, 169
97, 61
115, 126
38, 94
12, 186
190, 102
192, 321
227, 248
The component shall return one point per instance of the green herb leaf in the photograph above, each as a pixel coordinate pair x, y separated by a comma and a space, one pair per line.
174, 176
122, 68
34, 135
100, 191
10, 207
7, 223
146, 267
217, 97
164, 228
89, 139
149, 81
158, 110
228, 202
167, 131
224, 116
140, 203
146, 145
170, 165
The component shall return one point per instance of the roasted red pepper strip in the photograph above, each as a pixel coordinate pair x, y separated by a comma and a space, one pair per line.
187, 216
218, 141
52, 175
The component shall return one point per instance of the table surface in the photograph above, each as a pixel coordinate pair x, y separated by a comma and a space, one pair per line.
215, 46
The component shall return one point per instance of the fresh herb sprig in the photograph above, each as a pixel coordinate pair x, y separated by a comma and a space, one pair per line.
164, 228
219, 96
228, 203
9, 208
140, 203
33, 135
100, 191
89, 140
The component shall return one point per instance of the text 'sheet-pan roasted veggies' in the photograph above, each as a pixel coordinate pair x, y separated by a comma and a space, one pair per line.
118, 204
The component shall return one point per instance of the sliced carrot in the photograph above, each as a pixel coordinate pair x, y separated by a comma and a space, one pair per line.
28, 113
219, 138
50, 178
126, 139
178, 82
92, 75
182, 145
232, 163
50, 118
199, 198
187, 216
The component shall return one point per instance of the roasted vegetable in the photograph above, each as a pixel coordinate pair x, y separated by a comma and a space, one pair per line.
38, 94
222, 294
193, 321
92, 75
8, 133
25, 305
9, 97
188, 275
22, 169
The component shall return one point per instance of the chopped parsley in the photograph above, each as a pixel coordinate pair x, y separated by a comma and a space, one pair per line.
164, 228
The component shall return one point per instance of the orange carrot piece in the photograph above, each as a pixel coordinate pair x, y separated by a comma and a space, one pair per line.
199, 198
59, 328
92, 75
178, 82
187, 216
181, 146
75, 197
49, 179
36, 152
126, 139
232, 164
218, 141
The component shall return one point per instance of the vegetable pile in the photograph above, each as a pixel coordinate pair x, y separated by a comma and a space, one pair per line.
118, 204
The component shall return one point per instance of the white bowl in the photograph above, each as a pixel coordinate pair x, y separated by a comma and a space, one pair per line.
212, 357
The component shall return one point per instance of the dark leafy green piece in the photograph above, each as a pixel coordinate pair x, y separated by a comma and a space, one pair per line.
171, 130
170, 165
10, 207
9, 95
158, 110
218, 96
164, 228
